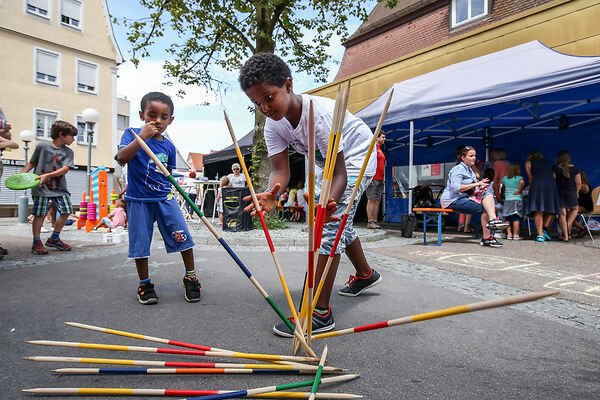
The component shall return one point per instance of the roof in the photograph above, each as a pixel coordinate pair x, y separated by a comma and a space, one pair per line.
195, 160
383, 15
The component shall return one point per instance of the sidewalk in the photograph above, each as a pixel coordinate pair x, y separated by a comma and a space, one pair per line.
16, 238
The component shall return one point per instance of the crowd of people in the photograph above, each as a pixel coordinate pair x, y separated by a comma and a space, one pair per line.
499, 194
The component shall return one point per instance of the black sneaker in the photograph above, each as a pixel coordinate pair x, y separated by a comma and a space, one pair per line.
192, 289
490, 242
38, 248
320, 324
3, 251
58, 244
496, 224
357, 284
146, 294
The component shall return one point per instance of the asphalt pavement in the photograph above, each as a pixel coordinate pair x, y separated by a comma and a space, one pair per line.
547, 349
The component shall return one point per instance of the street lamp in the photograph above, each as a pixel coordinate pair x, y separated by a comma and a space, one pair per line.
23, 204
91, 116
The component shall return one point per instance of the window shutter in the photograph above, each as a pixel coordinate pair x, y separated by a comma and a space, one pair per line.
47, 63
86, 74
43, 4
71, 9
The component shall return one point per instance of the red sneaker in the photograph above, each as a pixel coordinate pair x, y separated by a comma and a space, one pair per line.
58, 244
38, 248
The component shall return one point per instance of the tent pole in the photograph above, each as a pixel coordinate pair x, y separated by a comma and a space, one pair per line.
410, 165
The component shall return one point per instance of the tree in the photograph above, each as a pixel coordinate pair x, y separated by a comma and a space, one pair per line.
220, 35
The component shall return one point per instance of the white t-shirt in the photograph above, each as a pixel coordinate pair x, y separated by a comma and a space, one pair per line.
239, 181
190, 185
356, 136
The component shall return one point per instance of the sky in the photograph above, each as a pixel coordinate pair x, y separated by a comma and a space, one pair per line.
196, 128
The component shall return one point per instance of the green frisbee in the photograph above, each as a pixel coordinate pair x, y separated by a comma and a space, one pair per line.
22, 181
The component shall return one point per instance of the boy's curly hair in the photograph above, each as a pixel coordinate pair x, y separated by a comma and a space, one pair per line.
264, 68
64, 128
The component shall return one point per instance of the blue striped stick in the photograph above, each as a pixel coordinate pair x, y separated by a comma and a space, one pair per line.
239, 262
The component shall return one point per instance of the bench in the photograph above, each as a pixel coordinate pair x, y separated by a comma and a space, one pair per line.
432, 215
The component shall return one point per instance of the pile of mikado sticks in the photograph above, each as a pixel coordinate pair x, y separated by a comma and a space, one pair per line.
269, 364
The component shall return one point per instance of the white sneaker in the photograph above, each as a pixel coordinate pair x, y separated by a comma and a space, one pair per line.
44, 230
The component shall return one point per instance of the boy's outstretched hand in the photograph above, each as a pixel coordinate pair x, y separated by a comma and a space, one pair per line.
268, 201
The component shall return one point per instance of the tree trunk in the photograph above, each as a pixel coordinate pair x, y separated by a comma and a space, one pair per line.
261, 166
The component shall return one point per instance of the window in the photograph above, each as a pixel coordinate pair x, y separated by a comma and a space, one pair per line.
86, 77
46, 67
82, 131
122, 122
464, 11
43, 122
38, 7
70, 13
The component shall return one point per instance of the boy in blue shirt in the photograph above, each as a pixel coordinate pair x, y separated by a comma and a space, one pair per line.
150, 199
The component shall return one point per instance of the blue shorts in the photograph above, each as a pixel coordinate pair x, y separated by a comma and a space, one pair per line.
141, 216
465, 206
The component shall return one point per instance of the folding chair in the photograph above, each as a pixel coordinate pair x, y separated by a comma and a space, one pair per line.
594, 213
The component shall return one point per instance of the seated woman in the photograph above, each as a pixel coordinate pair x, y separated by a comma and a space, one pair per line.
462, 180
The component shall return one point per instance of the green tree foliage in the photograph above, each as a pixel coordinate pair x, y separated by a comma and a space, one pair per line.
219, 35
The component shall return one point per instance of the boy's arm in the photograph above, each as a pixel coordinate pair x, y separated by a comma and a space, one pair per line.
279, 178
28, 167
128, 152
339, 180
7, 143
61, 171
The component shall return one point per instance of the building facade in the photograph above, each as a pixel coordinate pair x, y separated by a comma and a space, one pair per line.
420, 36
60, 57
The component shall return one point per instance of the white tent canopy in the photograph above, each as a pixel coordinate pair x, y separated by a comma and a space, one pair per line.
523, 88
528, 70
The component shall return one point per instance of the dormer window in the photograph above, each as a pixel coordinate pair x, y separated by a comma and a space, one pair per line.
465, 11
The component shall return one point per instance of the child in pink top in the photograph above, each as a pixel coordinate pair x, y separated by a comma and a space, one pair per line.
119, 216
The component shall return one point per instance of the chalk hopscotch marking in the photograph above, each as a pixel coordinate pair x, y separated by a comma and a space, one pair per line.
588, 285
485, 261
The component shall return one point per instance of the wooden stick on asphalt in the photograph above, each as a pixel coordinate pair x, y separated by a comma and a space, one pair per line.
173, 371
267, 357
266, 231
183, 364
315, 386
482, 305
181, 392
352, 197
281, 315
268, 389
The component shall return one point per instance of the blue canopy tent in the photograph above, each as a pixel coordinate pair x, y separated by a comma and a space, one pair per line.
524, 98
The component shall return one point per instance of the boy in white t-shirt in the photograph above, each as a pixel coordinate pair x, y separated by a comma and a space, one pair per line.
266, 80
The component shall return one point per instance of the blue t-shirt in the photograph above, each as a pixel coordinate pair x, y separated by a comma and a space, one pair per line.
145, 181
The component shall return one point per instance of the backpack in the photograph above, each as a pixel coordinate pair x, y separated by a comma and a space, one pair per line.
423, 197
408, 223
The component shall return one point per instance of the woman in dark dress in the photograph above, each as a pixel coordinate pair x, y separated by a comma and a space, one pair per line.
543, 194
568, 181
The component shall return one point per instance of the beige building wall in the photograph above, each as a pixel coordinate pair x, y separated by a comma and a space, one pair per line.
21, 33
567, 26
